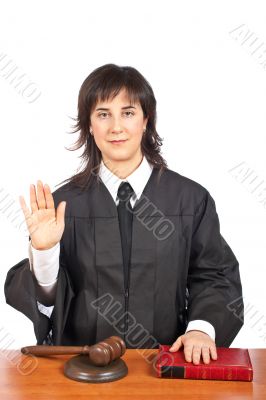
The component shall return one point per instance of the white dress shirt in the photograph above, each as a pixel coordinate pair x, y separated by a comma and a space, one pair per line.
45, 263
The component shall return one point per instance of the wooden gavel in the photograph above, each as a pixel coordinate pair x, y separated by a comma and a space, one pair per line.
100, 354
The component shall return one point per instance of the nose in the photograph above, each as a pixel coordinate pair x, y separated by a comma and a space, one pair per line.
117, 128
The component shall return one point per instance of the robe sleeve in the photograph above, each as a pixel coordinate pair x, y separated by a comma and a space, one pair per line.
20, 293
213, 276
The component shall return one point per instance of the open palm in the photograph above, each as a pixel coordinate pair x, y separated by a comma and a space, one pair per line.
45, 224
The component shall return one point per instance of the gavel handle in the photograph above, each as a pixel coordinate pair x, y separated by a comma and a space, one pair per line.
45, 350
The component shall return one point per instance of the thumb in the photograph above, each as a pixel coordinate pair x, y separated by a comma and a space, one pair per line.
177, 344
60, 212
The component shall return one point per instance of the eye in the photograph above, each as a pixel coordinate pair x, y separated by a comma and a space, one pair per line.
102, 114
129, 112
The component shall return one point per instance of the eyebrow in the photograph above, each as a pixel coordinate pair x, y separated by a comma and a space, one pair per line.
107, 109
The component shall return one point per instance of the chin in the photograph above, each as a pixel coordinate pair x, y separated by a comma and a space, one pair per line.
119, 153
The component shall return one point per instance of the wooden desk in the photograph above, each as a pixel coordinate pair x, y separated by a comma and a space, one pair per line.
43, 378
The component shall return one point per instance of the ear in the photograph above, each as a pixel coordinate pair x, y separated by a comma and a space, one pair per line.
145, 121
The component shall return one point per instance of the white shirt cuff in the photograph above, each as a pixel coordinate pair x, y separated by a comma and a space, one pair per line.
200, 325
45, 264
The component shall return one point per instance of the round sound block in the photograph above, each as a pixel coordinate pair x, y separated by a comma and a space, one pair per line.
81, 369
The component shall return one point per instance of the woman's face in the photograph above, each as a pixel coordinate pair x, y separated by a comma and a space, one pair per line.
117, 119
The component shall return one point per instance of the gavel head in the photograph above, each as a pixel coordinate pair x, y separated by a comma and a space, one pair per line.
106, 351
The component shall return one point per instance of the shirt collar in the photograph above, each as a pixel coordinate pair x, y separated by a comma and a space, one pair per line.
137, 179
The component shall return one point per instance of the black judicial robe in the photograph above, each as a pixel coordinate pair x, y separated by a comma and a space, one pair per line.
181, 269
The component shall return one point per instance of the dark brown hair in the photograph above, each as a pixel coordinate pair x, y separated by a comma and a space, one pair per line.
103, 83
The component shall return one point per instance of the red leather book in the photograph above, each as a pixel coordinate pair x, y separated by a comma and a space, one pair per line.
232, 364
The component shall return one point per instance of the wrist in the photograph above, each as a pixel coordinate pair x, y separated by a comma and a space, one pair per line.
37, 248
197, 330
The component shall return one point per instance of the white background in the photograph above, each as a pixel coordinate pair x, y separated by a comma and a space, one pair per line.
210, 92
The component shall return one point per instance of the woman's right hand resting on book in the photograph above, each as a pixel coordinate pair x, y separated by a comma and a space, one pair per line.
45, 224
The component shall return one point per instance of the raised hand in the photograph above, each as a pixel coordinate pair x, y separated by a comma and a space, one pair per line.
45, 224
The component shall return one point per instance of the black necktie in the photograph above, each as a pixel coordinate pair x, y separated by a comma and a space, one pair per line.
125, 215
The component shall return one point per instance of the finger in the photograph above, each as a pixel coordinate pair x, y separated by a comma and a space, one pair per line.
205, 351
213, 351
26, 212
40, 194
60, 213
33, 199
48, 196
177, 344
25, 209
196, 353
188, 351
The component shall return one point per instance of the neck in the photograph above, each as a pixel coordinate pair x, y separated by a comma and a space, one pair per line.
122, 169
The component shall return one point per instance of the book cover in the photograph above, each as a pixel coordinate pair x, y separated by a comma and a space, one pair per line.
232, 364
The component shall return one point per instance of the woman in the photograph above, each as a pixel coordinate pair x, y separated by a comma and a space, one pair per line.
126, 246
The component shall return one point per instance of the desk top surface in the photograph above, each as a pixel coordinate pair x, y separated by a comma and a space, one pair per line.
22, 377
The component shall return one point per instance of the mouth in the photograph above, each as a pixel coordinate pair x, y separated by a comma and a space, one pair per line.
118, 141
